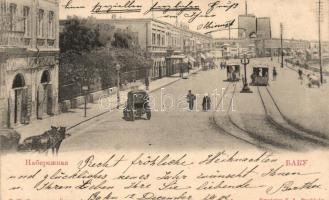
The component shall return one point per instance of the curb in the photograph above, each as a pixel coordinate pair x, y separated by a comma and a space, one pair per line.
100, 114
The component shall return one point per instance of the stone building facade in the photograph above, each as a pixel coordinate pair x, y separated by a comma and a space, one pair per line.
166, 44
29, 47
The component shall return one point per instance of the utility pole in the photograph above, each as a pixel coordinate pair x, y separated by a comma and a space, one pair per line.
320, 48
152, 10
246, 7
177, 19
229, 32
281, 33
245, 61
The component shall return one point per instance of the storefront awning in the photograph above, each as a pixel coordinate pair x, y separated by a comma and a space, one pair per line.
191, 59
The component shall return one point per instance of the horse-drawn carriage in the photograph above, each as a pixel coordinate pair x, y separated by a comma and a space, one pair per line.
233, 72
313, 80
50, 139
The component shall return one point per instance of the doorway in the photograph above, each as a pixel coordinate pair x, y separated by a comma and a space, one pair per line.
19, 87
44, 96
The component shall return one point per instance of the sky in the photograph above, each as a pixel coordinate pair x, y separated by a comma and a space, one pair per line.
299, 17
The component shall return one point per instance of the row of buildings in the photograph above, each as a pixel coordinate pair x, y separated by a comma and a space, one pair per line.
258, 47
168, 45
255, 37
29, 51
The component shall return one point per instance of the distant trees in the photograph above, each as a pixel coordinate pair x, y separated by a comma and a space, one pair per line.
79, 35
89, 55
83, 34
123, 39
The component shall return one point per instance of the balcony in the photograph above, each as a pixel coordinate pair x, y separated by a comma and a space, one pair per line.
157, 48
13, 39
51, 42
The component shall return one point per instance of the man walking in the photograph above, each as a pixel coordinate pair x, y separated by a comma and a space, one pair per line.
190, 99
275, 73
206, 102
300, 74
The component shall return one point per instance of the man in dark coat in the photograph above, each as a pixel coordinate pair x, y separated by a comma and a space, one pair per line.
206, 102
300, 74
190, 99
275, 73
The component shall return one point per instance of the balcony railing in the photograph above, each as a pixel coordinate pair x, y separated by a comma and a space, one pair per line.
13, 39
156, 48
18, 39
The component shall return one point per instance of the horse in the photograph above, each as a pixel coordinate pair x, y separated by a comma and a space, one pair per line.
313, 80
50, 139
57, 139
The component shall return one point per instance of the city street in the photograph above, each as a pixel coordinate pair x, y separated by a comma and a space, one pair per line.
174, 129
245, 126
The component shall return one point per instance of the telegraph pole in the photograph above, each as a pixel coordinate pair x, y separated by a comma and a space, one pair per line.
319, 30
281, 33
152, 10
229, 32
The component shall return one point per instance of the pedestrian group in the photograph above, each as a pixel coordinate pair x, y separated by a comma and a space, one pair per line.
206, 102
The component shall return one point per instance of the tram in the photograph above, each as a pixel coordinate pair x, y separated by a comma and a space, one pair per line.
260, 76
233, 72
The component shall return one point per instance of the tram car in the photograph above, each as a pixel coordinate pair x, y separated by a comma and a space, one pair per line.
233, 72
260, 76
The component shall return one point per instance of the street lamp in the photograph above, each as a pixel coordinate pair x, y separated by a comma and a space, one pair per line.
245, 61
85, 88
118, 67
281, 43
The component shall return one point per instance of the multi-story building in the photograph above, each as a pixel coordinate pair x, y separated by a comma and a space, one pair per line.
168, 45
272, 47
260, 47
28, 66
314, 50
263, 27
235, 47
246, 26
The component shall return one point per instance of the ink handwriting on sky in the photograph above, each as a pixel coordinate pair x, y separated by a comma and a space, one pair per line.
188, 9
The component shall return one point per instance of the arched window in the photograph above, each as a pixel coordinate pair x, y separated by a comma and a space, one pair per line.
45, 78
18, 81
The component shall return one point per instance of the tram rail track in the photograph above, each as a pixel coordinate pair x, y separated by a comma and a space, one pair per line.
285, 125
240, 134
260, 138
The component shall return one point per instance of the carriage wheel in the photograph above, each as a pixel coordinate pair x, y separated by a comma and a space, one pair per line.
132, 116
148, 115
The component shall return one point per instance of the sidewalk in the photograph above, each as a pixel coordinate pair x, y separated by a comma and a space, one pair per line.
75, 117
304, 106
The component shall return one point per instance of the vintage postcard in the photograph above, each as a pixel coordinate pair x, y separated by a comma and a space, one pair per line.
164, 100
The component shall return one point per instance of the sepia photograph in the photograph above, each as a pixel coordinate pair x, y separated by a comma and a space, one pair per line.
211, 100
